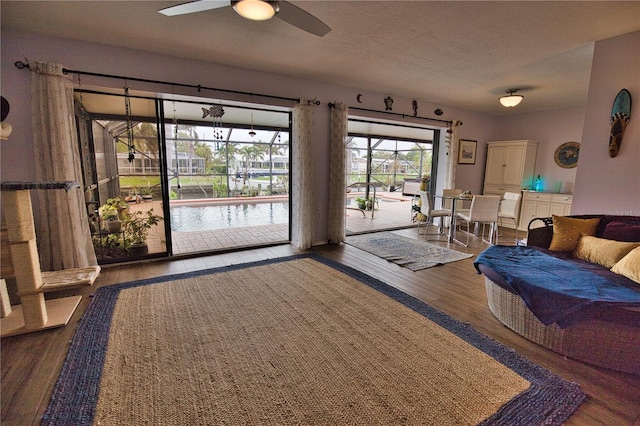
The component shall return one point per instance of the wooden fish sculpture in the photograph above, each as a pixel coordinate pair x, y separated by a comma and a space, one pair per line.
620, 114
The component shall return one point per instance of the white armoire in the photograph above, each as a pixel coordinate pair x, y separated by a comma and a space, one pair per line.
510, 166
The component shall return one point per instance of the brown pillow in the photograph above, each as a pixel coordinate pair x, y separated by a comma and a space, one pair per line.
603, 252
567, 230
629, 266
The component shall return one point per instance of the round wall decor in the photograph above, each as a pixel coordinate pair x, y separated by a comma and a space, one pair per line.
566, 155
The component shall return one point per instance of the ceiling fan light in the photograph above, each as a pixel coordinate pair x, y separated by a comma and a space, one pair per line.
256, 10
511, 100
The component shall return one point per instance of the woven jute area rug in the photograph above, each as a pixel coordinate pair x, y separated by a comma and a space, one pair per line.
408, 252
300, 340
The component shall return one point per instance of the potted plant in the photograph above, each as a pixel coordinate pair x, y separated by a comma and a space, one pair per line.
109, 246
136, 229
424, 182
147, 193
134, 195
366, 203
110, 218
119, 204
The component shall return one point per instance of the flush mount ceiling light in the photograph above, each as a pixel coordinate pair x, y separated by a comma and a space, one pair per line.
256, 10
511, 100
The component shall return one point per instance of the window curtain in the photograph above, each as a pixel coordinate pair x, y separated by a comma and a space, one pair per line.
301, 174
337, 173
452, 142
62, 225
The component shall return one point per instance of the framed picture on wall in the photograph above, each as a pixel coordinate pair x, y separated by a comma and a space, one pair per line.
467, 152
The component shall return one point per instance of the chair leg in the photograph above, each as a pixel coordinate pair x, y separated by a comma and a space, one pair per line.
493, 233
499, 233
426, 224
468, 231
429, 222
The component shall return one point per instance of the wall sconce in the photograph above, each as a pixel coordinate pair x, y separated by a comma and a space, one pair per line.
256, 10
511, 100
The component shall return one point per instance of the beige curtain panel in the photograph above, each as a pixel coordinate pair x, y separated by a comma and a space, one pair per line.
62, 226
301, 177
337, 177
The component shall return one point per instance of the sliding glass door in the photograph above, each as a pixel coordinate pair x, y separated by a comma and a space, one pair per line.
122, 169
385, 163
228, 175
182, 176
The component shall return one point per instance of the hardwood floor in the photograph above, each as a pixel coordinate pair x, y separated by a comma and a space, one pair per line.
31, 362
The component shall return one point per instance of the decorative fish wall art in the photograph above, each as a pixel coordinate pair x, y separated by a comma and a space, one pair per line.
215, 111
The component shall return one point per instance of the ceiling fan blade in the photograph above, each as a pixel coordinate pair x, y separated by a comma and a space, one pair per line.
304, 20
194, 6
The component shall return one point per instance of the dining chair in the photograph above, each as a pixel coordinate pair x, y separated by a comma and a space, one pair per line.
451, 193
426, 208
510, 209
483, 210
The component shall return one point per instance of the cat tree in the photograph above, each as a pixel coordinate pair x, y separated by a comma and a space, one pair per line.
34, 312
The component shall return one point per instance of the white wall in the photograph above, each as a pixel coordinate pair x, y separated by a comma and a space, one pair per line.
479, 128
550, 129
604, 184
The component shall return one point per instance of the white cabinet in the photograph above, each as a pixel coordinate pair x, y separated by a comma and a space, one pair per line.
510, 166
561, 204
534, 204
543, 204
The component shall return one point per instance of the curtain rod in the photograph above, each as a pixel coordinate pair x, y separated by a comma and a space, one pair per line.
22, 65
449, 122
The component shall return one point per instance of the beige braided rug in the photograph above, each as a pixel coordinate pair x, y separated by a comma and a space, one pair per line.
293, 342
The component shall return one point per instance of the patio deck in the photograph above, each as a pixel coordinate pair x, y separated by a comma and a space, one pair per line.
394, 213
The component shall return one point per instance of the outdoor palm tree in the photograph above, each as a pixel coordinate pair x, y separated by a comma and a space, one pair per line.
225, 152
249, 153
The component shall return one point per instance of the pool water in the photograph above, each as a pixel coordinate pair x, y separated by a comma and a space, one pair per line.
212, 217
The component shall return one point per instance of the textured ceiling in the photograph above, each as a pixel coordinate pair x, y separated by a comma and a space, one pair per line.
455, 53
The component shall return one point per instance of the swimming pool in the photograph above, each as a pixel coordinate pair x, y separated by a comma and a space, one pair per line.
212, 217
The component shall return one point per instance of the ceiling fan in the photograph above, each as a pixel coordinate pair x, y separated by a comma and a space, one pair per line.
257, 10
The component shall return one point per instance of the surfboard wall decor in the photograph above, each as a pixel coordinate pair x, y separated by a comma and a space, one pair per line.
620, 115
